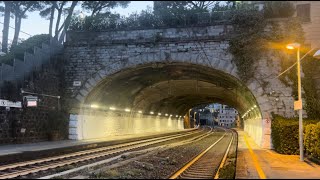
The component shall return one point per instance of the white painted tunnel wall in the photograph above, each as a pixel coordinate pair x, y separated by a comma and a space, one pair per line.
254, 128
101, 125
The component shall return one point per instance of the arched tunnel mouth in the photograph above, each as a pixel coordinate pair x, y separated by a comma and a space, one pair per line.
171, 88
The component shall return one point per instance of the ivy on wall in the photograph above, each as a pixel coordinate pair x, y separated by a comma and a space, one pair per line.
310, 68
248, 45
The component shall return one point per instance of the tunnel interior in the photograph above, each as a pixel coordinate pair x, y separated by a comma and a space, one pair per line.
171, 88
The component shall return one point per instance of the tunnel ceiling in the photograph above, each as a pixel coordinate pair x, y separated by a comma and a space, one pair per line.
170, 88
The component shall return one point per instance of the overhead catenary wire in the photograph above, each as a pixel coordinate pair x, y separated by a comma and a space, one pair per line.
296, 62
20, 30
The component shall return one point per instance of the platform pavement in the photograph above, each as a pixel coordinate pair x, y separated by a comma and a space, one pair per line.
12, 149
267, 164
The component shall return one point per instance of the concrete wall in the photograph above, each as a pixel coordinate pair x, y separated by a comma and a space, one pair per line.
101, 124
312, 28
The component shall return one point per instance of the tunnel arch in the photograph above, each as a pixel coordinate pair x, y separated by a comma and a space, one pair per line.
147, 87
172, 88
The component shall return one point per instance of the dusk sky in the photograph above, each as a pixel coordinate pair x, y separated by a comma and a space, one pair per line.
34, 24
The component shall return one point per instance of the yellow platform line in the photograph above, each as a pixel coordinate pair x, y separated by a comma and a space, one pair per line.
255, 160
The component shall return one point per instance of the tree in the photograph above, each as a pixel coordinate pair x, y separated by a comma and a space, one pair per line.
204, 6
96, 7
181, 12
201, 5
48, 13
19, 9
5, 31
66, 23
59, 6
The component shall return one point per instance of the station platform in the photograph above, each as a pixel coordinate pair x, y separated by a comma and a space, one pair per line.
20, 150
254, 162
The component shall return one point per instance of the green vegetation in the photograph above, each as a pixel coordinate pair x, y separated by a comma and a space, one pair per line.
228, 171
25, 46
312, 140
285, 134
249, 44
310, 68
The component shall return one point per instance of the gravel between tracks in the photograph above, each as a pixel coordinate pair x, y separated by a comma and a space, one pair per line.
158, 165
56, 170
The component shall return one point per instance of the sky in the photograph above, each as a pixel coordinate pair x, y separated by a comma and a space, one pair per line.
34, 24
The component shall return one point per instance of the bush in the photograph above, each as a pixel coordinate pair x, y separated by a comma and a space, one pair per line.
285, 134
228, 171
312, 140
25, 46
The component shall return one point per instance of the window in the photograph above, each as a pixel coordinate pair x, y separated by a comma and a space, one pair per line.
303, 12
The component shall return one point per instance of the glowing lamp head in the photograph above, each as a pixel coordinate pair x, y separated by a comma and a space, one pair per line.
293, 46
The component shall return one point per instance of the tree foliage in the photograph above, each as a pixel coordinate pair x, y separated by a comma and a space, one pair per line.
98, 7
19, 9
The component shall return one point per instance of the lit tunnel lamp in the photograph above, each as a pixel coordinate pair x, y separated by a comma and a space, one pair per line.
140, 112
94, 106
112, 108
251, 109
127, 110
166, 114
151, 112
159, 114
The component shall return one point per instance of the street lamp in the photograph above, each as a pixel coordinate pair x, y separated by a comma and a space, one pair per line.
298, 104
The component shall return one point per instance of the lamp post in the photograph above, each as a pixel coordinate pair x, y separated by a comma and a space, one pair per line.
194, 118
298, 104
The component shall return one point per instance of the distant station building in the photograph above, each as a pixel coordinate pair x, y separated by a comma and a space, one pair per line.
227, 116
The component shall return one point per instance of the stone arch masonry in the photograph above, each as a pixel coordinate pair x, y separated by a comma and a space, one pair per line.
93, 56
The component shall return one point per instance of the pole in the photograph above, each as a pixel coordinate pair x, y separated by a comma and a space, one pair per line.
194, 118
300, 110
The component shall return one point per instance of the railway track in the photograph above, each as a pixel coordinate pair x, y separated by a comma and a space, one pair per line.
17, 170
202, 166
